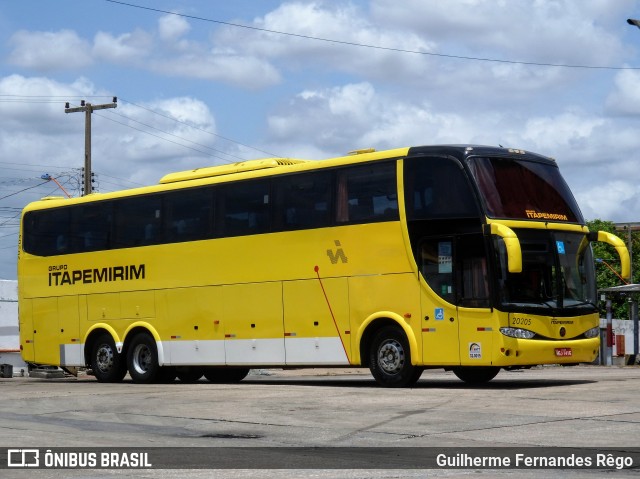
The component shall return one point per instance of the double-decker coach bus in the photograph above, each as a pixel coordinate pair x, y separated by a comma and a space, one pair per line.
468, 258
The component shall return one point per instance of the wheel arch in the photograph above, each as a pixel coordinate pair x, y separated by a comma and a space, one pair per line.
373, 324
144, 327
94, 333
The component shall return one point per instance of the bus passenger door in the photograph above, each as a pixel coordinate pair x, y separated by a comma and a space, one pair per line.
475, 316
440, 345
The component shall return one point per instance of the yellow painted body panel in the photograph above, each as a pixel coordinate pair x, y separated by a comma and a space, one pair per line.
439, 330
307, 313
271, 299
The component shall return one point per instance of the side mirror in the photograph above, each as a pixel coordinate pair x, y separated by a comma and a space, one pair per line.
618, 244
512, 243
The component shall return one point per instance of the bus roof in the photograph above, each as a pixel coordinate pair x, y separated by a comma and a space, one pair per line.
207, 172
274, 166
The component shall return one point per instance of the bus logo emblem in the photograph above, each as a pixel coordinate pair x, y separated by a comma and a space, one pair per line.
338, 255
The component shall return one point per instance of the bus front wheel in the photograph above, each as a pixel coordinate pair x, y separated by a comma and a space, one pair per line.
142, 359
106, 363
390, 359
476, 374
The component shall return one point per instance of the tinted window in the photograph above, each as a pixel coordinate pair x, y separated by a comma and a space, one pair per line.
303, 201
524, 190
437, 188
367, 193
456, 269
138, 221
46, 233
91, 227
245, 208
188, 215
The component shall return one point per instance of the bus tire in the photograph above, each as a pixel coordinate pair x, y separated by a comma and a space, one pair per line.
142, 359
390, 359
189, 374
226, 375
107, 364
476, 374
166, 375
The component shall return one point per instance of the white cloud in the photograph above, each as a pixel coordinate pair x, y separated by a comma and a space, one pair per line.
567, 131
25, 114
625, 98
125, 48
227, 67
129, 142
172, 27
343, 23
49, 51
619, 200
571, 31
336, 120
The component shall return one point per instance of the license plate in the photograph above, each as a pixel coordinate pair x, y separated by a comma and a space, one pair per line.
563, 352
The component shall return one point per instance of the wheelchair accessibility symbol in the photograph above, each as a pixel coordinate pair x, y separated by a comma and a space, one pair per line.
439, 314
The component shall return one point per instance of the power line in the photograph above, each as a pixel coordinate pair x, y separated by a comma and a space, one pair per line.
200, 129
177, 136
23, 190
377, 47
157, 136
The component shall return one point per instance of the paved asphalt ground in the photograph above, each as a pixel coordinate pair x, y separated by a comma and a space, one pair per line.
549, 407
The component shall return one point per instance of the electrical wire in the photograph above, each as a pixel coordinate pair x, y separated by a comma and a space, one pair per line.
377, 47
23, 190
157, 136
176, 136
200, 129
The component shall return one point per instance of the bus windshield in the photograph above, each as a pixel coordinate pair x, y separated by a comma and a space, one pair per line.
556, 273
524, 190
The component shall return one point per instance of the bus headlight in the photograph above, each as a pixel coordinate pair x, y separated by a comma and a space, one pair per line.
517, 333
592, 333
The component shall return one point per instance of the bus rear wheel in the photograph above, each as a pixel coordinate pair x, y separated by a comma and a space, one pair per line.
189, 374
226, 375
390, 359
476, 374
106, 363
142, 359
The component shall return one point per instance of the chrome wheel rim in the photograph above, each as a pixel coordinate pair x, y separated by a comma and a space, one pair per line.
104, 358
141, 358
391, 356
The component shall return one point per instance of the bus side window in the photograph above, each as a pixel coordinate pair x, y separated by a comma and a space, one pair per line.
436, 258
189, 215
91, 226
302, 201
138, 221
46, 232
437, 188
367, 193
246, 208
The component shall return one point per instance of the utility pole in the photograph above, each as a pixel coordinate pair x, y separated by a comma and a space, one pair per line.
88, 108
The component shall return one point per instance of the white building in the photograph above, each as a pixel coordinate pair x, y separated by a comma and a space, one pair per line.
9, 334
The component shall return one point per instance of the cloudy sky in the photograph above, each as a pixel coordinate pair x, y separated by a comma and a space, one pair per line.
209, 82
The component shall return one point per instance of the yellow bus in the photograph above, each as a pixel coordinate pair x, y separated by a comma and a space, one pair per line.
468, 258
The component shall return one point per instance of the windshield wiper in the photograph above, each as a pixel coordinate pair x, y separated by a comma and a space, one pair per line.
581, 303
